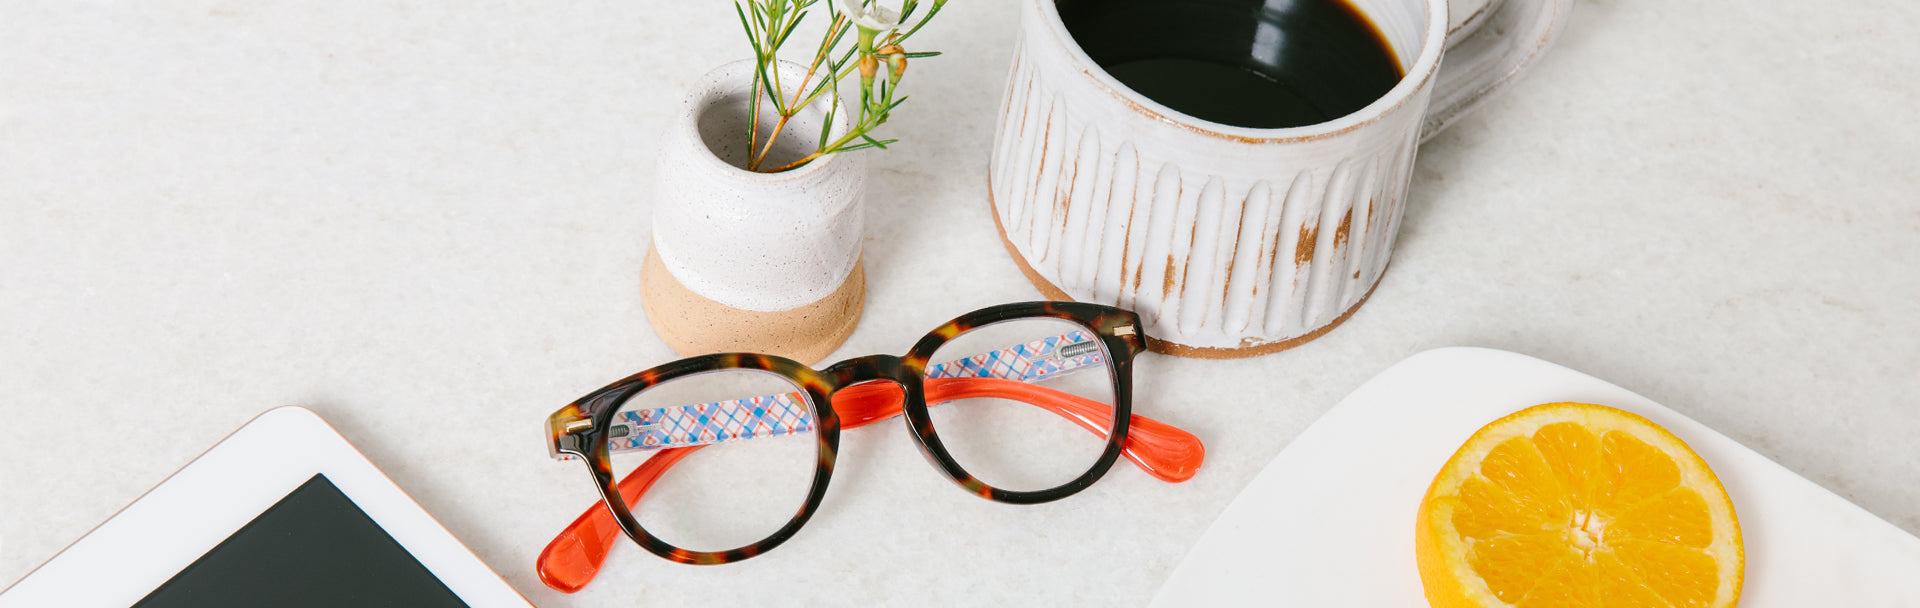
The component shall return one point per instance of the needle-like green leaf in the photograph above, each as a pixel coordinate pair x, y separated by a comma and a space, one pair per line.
789, 29
770, 24
826, 128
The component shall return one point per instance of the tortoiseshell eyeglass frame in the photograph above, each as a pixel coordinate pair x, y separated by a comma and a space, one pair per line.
581, 428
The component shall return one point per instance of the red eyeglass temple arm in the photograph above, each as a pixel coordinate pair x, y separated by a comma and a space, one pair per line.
1163, 451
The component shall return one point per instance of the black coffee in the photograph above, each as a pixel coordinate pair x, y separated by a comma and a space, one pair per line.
1247, 63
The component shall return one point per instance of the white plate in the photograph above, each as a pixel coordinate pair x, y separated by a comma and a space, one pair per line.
1330, 521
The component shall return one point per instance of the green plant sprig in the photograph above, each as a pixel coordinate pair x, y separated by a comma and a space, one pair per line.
877, 42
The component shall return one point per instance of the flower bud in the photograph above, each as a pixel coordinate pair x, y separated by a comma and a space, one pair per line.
869, 66
899, 65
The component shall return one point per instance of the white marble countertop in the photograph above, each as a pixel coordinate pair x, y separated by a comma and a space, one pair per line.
425, 220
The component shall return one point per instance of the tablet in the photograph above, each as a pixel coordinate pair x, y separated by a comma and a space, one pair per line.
283, 512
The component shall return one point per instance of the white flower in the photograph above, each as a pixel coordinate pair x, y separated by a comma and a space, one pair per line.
877, 18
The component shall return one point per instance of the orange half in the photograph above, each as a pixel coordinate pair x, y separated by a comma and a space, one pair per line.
1578, 505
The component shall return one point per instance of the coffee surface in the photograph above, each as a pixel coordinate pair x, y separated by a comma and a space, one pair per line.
1246, 63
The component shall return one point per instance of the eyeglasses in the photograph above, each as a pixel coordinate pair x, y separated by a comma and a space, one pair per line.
782, 421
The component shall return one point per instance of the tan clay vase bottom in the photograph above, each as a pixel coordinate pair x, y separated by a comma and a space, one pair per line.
1160, 345
695, 325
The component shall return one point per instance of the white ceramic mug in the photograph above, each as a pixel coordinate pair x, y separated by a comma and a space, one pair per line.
1230, 241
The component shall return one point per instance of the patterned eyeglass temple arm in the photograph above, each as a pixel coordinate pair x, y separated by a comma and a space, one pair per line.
1162, 450
778, 415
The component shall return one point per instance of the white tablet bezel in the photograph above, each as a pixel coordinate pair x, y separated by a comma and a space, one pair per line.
198, 507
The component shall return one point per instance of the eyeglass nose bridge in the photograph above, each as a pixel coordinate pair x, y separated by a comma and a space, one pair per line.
890, 368
871, 367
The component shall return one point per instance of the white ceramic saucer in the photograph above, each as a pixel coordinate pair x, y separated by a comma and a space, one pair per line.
1477, 62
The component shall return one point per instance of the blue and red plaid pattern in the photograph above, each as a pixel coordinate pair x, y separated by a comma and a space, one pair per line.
777, 415
1030, 362
701, 424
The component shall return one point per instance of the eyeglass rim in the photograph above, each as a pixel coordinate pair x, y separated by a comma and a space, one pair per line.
1120, 334
1120, 347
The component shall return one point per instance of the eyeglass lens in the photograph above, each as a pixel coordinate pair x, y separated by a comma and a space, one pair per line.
737, 494
1009, 444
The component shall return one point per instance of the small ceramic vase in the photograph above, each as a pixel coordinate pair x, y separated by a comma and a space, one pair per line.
743, 261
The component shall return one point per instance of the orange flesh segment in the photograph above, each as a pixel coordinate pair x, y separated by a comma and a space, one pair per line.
1563, 516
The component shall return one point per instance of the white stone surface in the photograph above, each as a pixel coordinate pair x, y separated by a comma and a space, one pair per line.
425, 220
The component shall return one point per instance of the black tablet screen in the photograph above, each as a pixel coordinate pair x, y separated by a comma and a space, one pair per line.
313, 548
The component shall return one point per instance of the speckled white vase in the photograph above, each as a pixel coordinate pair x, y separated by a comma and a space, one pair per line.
746, 261
1230, 241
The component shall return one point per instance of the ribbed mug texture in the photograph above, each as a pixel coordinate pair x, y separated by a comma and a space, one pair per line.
1227, 241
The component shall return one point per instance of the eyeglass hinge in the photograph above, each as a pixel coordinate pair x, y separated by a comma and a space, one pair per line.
1124, 330
576, 426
